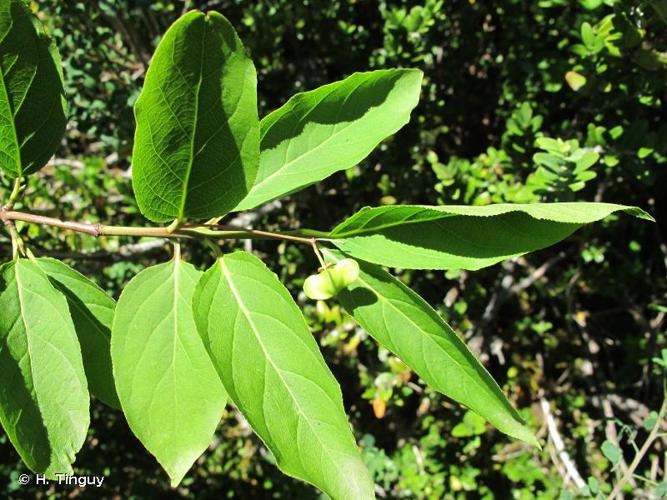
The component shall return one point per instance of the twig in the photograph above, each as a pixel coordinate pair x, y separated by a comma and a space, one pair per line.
505, 288
176, 232
313, 243
13, 197
17, 243
570, 468
642, 451
611, 434
260, 234
66, 162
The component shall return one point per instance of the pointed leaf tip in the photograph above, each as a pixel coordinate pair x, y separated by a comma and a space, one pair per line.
168, 388
463, 237
402, 322
273, 370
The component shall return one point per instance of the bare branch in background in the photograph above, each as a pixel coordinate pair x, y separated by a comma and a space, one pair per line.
563, 456
506, 288
653, 435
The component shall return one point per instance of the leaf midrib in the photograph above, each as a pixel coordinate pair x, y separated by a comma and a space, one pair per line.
285, 166
335, 133
246, 313
366, 230
55, 347
11, 119
188, 172
424, 333
176, 336
488, 390
27, 341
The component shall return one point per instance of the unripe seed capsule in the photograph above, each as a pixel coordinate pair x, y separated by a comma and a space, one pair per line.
328, 282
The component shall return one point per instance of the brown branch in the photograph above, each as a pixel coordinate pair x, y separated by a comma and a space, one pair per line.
79, 227
182, 231
258, 234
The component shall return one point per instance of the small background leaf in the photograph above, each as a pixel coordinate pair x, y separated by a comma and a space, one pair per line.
612, 452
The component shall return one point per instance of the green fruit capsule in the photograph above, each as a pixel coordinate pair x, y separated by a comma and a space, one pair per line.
328, 282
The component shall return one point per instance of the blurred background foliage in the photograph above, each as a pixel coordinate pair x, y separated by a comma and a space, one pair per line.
545, 100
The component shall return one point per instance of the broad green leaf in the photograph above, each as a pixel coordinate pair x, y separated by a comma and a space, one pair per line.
92, 312
406, 325
44, 403
168, 388
463, 237
196, 147
32, 103
331, 128
273, 370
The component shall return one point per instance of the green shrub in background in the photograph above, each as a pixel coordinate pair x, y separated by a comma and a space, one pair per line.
499, 82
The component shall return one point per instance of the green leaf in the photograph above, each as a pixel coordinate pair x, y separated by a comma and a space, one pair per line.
273, 370
593, 485
661, 489
553, 163
331, 128
575, 80
168, 388
402, 322
651, 420
196, 147
462, 237
32, 103
472, 425
612, 452
587, 160
92, 311
44, 403
588, 35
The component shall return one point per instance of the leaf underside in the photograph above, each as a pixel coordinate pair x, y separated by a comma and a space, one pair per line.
32, 104
462, 237
168, 388
273, 370
196, 146
331, 128
44, 403
92, 312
